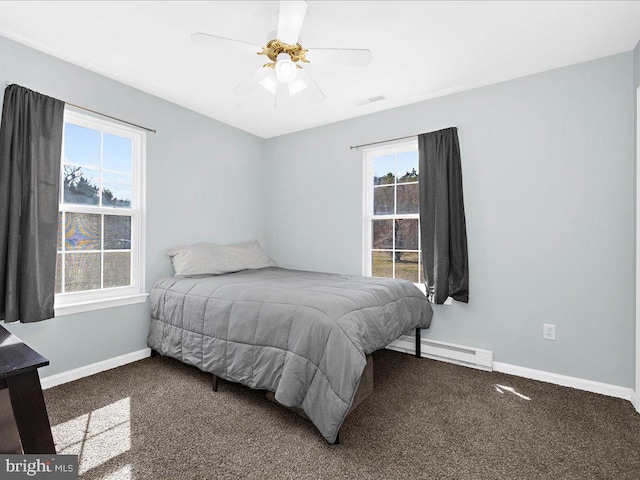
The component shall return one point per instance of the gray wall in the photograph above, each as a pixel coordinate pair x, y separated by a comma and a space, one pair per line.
205, 182
548, 168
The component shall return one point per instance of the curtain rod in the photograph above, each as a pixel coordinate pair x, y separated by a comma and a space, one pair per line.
355, 147
102, 114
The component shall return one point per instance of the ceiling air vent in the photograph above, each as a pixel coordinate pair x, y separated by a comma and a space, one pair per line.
367, 101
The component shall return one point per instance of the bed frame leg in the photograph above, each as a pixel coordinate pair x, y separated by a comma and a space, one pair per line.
215, 383
154, 353
418, 343
337, 442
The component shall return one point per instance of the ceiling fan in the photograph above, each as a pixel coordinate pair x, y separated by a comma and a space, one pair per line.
284, 73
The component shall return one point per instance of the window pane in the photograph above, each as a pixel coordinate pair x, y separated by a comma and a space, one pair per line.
81, 146
383, 200
117, 269
82, 271
83, 231
81, 185
383, 170
117, 232
408, 200
59, 273
382, 263
116, 153
407, 266
116, 190
407, 234
383, 234
408, 167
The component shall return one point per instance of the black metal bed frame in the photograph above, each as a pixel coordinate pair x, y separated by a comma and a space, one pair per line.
418, 354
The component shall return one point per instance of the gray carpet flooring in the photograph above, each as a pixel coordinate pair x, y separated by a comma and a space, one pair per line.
157, 419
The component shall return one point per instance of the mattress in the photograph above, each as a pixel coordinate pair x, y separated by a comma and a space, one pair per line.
302, 335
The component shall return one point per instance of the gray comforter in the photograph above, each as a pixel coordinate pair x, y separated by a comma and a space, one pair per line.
302, 335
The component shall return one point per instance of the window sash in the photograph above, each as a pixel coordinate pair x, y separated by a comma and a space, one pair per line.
138, 142
134, 267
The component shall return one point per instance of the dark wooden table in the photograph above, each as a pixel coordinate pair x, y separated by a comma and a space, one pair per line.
19, 365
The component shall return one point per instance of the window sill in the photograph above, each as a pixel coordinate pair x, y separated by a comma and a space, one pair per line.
88, 306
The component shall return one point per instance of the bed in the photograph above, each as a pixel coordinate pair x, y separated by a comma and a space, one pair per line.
305, 336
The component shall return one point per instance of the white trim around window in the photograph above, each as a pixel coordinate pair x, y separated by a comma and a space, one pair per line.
76, 302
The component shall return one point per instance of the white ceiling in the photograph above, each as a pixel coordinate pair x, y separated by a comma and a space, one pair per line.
420, 50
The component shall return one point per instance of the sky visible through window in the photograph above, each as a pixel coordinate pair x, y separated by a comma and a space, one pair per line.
82, 149
384, 165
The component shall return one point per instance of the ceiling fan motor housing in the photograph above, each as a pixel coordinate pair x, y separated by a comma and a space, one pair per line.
276, 47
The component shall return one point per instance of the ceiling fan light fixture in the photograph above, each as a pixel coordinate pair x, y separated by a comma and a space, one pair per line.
285, 68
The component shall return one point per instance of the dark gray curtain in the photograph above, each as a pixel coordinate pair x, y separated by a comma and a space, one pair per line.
442, 221
30, 148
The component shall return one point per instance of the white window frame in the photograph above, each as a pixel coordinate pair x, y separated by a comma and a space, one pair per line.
76, 302
369, 154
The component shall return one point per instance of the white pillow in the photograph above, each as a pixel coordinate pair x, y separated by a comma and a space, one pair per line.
212, 259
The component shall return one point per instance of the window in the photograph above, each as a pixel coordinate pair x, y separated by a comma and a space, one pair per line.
392, 208
100, 225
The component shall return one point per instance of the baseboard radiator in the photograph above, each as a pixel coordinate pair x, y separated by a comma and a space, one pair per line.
446, 352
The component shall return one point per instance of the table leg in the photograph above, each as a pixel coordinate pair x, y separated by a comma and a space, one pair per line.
30, 413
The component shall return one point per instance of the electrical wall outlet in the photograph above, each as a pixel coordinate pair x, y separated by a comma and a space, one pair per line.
548, 331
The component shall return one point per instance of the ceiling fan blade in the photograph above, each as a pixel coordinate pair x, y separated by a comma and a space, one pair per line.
280, 93
253, 80
290, 21
223, 42
312, 93
296, 86
339, 56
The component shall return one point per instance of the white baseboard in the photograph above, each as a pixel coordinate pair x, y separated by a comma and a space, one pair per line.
87, 370
566, 381
483, 360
